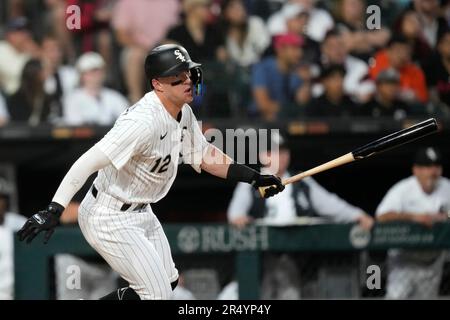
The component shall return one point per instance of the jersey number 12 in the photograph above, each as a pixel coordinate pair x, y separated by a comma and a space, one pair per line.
164, 165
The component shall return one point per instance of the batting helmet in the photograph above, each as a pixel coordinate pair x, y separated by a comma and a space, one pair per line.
170, 60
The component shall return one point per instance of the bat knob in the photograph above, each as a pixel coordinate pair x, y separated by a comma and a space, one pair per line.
262, 191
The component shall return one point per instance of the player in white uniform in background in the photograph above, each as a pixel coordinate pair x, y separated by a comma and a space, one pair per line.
422, 198
10, 222
137, 162
306, 198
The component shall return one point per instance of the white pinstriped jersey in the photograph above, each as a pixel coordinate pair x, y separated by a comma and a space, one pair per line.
144, 147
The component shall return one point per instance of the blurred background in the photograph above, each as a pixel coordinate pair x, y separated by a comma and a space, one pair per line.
332, 75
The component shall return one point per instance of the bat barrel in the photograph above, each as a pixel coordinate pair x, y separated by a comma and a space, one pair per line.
396, 139
390, 141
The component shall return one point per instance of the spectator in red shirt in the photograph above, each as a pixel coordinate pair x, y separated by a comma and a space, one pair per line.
397, 55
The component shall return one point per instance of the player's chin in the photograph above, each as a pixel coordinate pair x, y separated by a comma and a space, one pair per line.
188, 95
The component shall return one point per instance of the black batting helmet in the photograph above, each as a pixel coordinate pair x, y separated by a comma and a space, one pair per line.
170, 60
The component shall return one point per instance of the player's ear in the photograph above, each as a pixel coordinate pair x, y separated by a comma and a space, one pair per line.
156, 85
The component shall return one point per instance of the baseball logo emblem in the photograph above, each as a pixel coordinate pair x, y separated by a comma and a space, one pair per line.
179, 55
188, 239
359, 237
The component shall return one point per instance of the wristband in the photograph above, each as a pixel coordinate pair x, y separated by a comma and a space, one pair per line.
56, 208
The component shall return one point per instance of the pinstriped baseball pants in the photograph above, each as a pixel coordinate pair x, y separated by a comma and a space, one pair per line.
133, 243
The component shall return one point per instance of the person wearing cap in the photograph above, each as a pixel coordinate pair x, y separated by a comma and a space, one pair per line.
276, 84
397, 55
17, 48
334, 102
296, 21
305, 198
422, 198
10, 222
385, 102
92, 103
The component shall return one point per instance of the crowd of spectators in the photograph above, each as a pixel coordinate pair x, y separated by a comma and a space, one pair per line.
265, 59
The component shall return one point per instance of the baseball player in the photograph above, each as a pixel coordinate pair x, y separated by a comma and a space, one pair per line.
423, 198
137, 163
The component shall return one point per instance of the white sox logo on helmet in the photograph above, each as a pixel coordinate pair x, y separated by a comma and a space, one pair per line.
179, 55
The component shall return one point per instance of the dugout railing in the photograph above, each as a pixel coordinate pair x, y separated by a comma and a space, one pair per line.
33, 262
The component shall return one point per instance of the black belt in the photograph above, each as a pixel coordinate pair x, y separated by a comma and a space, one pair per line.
125, 206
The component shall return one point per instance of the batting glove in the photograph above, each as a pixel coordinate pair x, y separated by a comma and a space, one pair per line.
45, 220
273, 182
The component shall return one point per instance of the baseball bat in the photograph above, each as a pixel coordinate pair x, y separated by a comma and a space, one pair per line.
388, 142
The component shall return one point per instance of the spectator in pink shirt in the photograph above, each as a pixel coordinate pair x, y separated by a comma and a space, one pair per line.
139, 26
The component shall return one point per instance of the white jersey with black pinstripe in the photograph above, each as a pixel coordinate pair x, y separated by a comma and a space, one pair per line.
144, 147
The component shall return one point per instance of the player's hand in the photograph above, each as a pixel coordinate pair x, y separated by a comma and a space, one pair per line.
365, 221
429, 219
45, 220
274, 183
424, 219
241, 222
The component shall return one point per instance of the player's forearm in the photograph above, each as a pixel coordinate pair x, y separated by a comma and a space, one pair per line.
220, 165
90, 162
396, 216
216, 162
